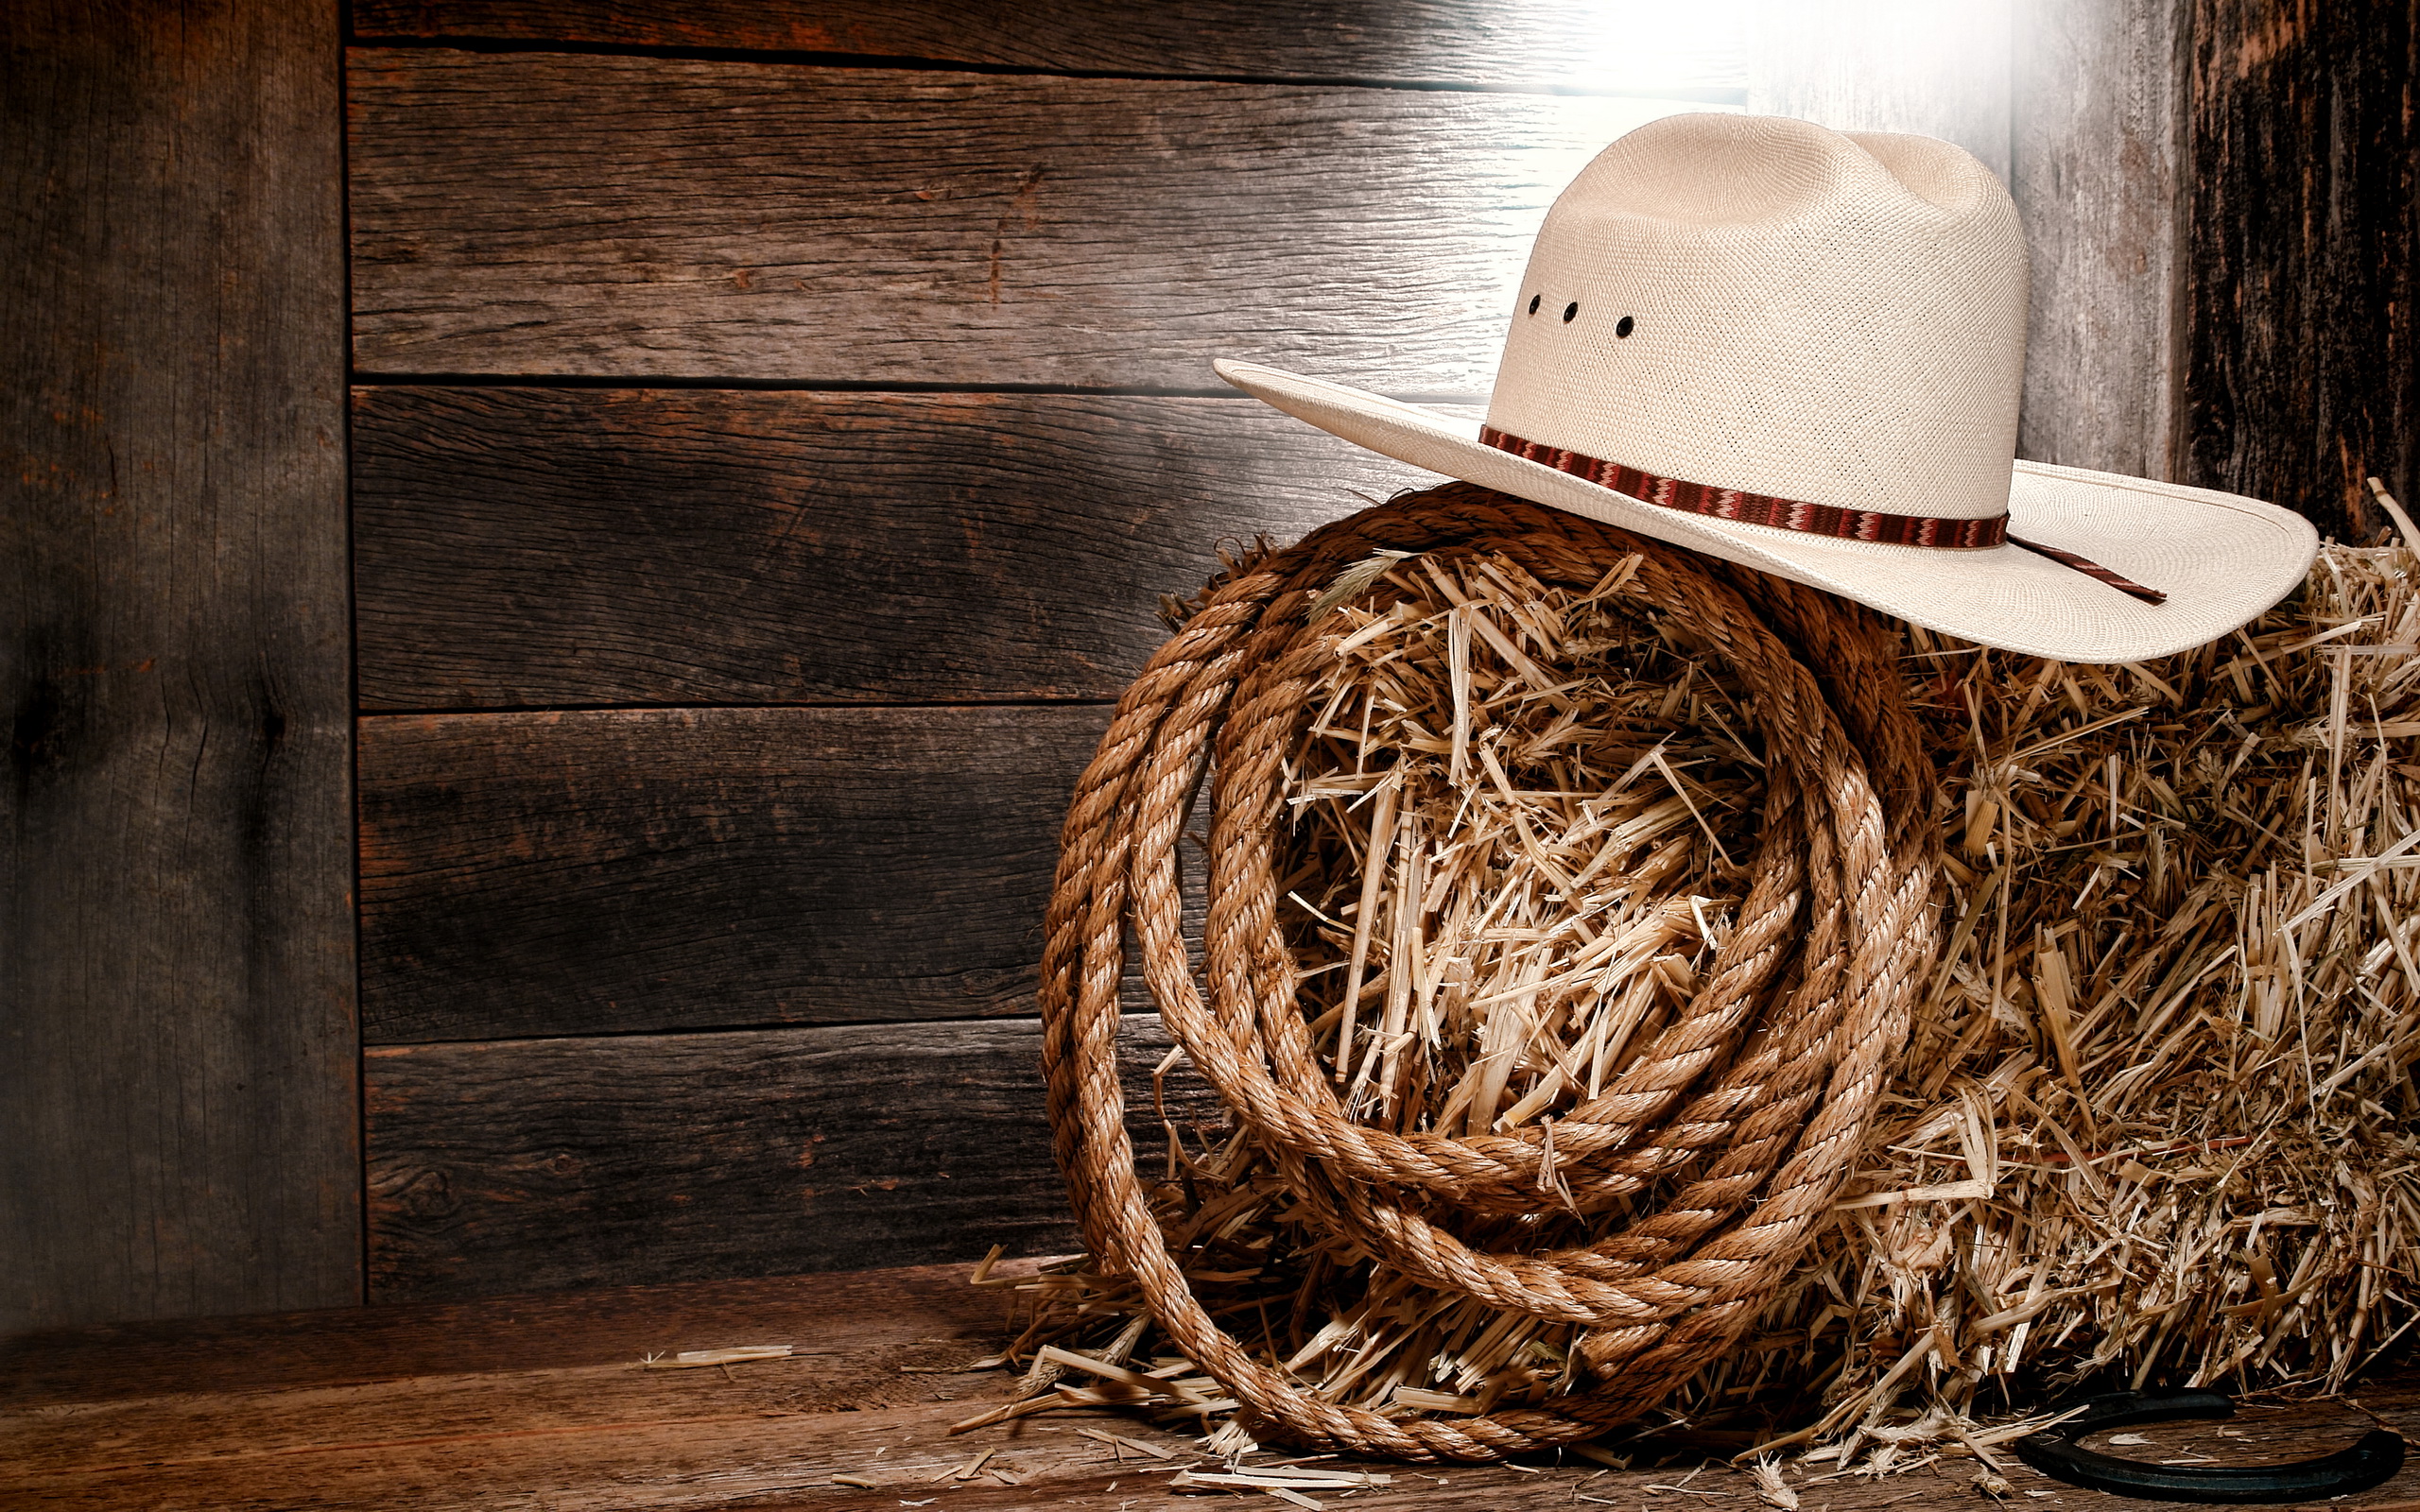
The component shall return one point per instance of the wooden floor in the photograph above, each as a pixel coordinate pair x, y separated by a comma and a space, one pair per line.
542, 1402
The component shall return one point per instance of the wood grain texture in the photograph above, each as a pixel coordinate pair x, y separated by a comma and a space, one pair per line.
538, 1402
546, 547
1888, 65
177, 1061
559, 1164
831, 1315
533, 1399
2099, 117
618, 217
634, 869
1537, 44
2302, 367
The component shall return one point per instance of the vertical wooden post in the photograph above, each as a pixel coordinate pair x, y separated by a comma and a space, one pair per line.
179, 1069
2302, 355
2098, 121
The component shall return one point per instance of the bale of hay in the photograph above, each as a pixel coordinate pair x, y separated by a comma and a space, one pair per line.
2157, 1124
2154, 1118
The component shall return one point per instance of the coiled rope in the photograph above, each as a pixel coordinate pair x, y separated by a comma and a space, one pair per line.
1747, 1111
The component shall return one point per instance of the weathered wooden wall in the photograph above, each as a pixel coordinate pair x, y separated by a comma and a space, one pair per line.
774, 427
2095, 164
714, 738
2301, 363
178, 1123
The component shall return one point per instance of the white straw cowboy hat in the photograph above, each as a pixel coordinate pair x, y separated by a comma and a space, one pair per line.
1801, 351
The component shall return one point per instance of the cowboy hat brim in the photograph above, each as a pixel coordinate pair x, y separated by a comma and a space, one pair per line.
2220, 559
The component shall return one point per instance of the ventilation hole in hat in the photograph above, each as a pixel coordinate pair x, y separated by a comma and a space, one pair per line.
1570, 310
1533, 302
1623, 327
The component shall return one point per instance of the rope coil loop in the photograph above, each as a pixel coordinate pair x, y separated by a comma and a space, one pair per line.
1738, 1125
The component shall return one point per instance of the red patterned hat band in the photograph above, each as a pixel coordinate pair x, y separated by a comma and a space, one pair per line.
1797, 514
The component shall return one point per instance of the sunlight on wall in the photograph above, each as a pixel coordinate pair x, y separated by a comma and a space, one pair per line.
1643, 47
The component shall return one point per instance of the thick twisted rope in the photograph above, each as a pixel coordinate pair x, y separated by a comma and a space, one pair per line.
1755, 1101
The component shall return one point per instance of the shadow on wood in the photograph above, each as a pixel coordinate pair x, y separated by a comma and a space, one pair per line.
176, 1068
633, 869
545, 547
561, 1164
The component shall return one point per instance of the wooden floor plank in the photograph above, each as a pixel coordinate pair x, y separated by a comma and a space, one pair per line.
197, 1429
519, 1401
756, 1459
517, 547
847, 1312
626, 217
790, 1461
623, 870
541, 1403
563, 1163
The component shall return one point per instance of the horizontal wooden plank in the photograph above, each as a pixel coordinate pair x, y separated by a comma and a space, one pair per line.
777, 1460
442, 1446
772, 1460
851, 1317
636, 869
525, 1400
534, 547
618, 217
1544, 44
539, 1402
558, 1163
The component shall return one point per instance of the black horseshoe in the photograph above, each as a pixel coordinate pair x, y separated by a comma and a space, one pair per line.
2058, 1453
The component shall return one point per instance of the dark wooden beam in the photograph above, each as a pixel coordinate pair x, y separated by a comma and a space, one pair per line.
547, 1164
633, 869
529, 547
178, 1126
2302, 361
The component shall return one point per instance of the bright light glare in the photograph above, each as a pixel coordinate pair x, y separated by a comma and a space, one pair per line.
1636, 46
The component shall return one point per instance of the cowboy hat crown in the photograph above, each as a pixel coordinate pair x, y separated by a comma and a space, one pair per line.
1761, 304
